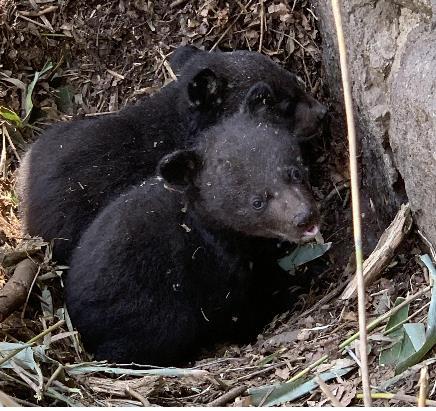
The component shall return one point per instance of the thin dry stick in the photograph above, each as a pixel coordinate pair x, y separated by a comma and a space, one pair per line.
136, 395
15, 291
229, 27
53, 376
176, 3
336, 5
262, 25
7, 401
308, 369
11, 143
228, 396
399, 397
326, 390
258, 372
429, 245
423, 387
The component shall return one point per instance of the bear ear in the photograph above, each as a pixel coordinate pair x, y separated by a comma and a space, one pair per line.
258, 99
180, 167
181, 55
205, 89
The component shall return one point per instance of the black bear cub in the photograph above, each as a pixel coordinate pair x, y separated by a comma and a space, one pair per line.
75, 169
167, 267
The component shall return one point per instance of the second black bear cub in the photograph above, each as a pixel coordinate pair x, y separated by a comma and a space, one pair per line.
75, 169
166, 267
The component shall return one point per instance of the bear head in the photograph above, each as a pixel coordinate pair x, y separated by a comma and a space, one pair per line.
246, 174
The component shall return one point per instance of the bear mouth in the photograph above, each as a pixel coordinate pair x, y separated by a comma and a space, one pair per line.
310, 233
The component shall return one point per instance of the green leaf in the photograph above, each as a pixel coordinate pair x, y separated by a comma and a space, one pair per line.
46, 302
24, 357
28, 103
10, 116
390, 355
430, 337
277, 394
398, 317
303, 254
416, 334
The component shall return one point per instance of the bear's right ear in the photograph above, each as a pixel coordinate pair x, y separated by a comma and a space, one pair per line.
180, 167
205, 89
258, 99
181, 55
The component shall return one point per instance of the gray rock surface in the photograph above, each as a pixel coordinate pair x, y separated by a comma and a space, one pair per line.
392, 56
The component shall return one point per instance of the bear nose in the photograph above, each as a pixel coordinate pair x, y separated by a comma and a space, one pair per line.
305, 218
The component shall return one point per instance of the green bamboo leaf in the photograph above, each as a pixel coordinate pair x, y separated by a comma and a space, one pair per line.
276, 394
28, 103
302, 255
10, 116
430, 337
397, 318
24, 357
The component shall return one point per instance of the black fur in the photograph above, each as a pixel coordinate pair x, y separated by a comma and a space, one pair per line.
168, 266
75, 169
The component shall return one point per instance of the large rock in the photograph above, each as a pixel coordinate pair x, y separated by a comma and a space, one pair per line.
392, 57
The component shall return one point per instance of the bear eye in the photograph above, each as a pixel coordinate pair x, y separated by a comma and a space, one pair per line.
295, 175
258, 203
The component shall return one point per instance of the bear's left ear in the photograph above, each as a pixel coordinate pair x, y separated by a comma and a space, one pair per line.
258, 99
180, 167
181, 56
205, 89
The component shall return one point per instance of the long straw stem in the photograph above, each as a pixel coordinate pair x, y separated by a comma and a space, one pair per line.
336, 5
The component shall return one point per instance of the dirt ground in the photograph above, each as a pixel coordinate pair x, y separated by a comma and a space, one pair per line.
104, 55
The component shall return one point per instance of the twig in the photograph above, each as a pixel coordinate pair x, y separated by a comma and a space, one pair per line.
423, 387
33, 21
229, 27
115, 74
7, 401
336, 191
29, 292
309, 368
176, 3
383, 317
400, 397
11, 143
228, 396
53, 376
169, 69
137, 396
47, 10
258, 372
326, 390
262, 26
429, 245
24, 402
15, 291
336, 4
